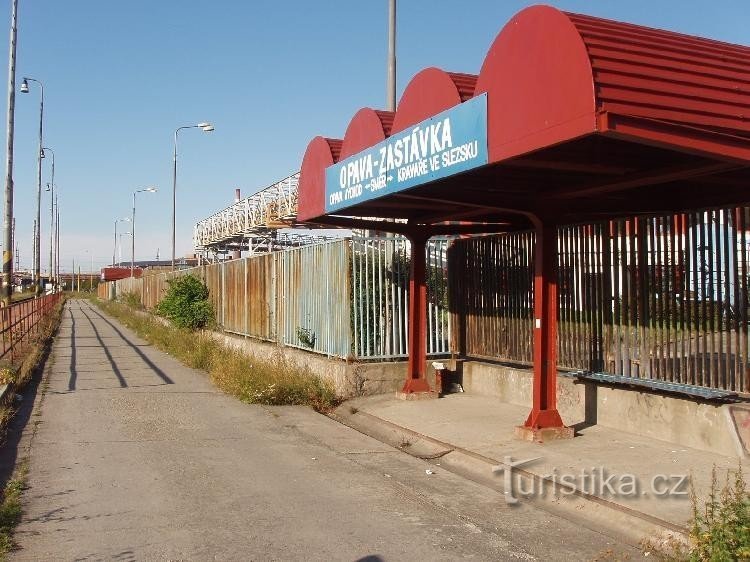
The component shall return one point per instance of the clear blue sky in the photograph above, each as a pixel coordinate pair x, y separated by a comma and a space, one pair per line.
121, 76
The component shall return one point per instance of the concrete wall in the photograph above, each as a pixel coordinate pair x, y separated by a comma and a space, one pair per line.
722, 429
350, 379
680, 421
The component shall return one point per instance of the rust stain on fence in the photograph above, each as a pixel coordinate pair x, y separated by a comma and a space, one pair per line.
345, 298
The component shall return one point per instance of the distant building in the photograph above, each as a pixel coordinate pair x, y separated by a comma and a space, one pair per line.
144, 267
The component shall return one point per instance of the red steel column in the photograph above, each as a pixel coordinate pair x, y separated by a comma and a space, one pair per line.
544, 412
416, 380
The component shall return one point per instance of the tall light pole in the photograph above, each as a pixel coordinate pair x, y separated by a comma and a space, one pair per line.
51, 189
206, 128
114, 248
33, 250
391, 82
37, 237
57, 237
7, 288
132, 228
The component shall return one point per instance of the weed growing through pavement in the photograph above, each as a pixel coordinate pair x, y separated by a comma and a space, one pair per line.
249, 378
719, 529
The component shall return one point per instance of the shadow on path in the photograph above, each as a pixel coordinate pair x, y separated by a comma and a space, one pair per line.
73, 372
115, 368
162, 375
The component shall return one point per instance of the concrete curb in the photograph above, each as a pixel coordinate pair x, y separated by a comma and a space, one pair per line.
587, 509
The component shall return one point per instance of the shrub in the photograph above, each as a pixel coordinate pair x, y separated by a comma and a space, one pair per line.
306, 337
186, 303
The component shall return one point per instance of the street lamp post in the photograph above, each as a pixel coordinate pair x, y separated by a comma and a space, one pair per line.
114, 248
37, 237
57, 236
206, 128
132, 228
51, 189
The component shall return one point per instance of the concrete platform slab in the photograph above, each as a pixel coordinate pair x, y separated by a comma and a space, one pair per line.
636, 475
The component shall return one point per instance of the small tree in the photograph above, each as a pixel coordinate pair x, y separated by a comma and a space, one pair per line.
186, 303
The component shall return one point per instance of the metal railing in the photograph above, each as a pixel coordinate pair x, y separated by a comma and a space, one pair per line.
19, 322
380, 297
663, 298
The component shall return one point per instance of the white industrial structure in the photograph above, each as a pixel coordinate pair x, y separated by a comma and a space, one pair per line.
262, 222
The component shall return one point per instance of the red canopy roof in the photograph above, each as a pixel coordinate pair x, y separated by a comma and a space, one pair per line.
585, 116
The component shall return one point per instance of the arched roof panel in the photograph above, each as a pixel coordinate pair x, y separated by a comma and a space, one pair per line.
539, 85
431, 91
321, 153
367, 127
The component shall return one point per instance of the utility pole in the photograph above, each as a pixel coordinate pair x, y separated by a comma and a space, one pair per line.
8, 223
390, 106
57, 239
51, 189
391, 83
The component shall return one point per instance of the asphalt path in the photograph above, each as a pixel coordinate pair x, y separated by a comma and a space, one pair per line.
134, 456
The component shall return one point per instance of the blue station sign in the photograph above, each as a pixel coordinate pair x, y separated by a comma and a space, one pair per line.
446, 144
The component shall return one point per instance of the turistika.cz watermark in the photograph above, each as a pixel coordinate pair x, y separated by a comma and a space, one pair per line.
596, 480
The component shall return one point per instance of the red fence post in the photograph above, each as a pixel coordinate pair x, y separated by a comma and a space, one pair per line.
544, 421
416, 378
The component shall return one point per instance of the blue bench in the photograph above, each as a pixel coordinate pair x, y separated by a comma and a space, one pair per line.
657, 385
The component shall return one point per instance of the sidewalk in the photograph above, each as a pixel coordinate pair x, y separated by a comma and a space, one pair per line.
472, 434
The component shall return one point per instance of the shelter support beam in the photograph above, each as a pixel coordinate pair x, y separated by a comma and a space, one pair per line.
416, 377
544, 421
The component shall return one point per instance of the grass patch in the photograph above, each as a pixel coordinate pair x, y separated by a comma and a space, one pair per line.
251, 379
132, 299
10, 507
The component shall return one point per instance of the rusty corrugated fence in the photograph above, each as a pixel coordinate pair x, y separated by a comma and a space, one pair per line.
344, 298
